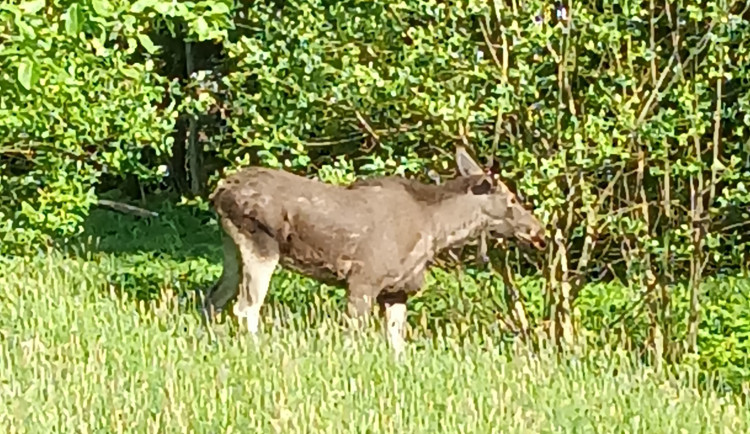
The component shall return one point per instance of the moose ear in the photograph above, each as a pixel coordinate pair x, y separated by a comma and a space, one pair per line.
466, 165
482, 187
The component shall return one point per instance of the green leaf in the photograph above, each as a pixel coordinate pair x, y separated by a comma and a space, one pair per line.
25, 73
102, 7
141, 5
132, 45
219, 8
147, 43
201, 27
130, 72
32, 6
72, 22
27, 209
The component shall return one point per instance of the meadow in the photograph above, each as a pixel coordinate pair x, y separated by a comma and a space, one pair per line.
622, 124
83, 352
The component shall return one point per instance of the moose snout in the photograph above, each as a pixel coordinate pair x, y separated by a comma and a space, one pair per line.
539, 242
535, 239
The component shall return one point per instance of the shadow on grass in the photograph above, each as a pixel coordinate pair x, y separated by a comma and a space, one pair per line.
179, 231
179, 250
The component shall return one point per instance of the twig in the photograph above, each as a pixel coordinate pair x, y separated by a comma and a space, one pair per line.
655, 91
462, 134
652, 42
366, 126
495, 138
513, 298
348, 139
700, 46
490, 46
127, 209
635, 310
717, 130
359, 135
734, 226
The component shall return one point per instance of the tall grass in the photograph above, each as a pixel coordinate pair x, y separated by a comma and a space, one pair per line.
76, 356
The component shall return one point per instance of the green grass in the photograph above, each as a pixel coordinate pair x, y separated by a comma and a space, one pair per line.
78, 356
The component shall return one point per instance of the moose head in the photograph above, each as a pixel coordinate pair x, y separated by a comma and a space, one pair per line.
506, 214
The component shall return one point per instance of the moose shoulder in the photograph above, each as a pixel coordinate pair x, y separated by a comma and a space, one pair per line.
376, 237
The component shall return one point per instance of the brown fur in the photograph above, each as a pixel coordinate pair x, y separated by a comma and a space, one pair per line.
376, 236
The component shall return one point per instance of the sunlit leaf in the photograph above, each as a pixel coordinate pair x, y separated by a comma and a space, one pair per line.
102, 7
72, 22
147, 43
201, 27
26, 73
32, 6
141, 5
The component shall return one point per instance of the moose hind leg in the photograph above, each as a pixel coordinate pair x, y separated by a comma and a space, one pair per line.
259, 254
228, 285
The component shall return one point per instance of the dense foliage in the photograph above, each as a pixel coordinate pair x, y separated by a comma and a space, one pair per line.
624, 123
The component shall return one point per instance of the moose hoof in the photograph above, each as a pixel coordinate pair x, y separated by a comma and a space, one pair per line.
249, 315
209, 312
398, 352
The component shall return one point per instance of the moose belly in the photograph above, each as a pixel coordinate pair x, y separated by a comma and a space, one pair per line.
327, 262
314, 270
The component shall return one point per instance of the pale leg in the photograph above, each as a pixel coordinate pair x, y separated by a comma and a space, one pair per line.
394, 305
259, 255
249, 263
395, 317
359, 307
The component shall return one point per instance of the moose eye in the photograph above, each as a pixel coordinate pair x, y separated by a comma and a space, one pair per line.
484, 187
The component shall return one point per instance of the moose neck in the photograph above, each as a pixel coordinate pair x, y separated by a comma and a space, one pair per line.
456, 220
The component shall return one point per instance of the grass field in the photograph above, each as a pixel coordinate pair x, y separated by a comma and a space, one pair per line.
78, 357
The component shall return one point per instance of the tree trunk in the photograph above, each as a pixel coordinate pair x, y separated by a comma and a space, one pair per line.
194, 146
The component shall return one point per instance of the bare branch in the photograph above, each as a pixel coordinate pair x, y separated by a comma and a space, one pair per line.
366, 126
127, 209
359, 136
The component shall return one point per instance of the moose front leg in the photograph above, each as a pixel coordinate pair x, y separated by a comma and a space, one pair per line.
393, 305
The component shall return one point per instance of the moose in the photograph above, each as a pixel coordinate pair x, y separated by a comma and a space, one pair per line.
375, 237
